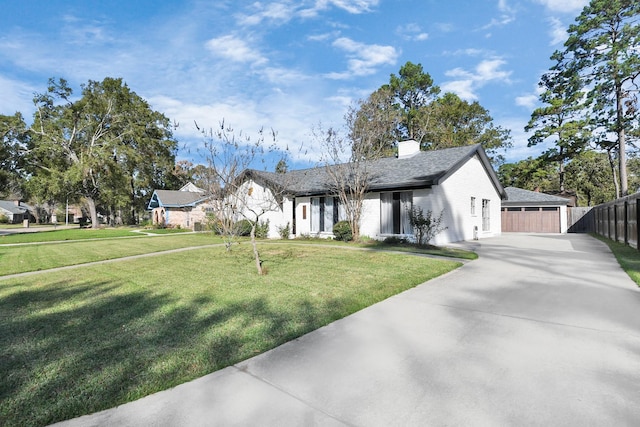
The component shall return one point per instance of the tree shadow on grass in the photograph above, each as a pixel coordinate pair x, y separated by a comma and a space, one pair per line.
72, 349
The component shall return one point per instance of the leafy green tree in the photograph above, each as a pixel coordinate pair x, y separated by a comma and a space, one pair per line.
589, 175
531, 174
412, 90
373, 124
603, 52
106, 147
282, 166
455, 122
559, 121
13, 138
410, 107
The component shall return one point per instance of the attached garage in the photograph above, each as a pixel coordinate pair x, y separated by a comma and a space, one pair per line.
527, 211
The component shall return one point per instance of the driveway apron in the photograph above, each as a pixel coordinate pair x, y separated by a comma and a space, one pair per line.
540, 330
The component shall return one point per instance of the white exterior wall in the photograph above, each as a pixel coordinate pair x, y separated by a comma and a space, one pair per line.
303, 216
261, 200
454, 196
564, 219
370, 219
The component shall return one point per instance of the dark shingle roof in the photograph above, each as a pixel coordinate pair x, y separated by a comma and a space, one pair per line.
10, 206
423, 169
520, 196
175, 198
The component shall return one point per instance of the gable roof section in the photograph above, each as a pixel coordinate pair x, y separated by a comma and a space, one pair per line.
519, 197
175, 199
421, 170
10, 206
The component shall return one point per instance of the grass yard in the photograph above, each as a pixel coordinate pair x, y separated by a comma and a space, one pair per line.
68, 234
20, 259
82, 340
628, 258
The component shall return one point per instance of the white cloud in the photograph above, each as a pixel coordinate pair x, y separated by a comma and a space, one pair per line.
275, 12
283, 75
565, 6
324, 36
76, 31
351, 6
465, 83
16, 96
235, 49
489, 70
466, 52
507, 15
363, 58
520, 138
527, 101
412, 32
444, 27
558, 32
462, 88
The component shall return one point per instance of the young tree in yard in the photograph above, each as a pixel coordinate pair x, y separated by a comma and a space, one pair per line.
603, 52
348, 159
425, 225
233, 195
99, 145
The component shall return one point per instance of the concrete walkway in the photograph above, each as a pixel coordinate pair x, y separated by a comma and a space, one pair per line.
541, 330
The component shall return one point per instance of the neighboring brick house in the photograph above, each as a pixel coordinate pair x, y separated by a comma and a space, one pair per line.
458, 181
182, 208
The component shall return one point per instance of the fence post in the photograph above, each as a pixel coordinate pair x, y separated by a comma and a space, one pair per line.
626, 222
638, 224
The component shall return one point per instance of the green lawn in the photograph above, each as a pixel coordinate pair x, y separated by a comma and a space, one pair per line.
87, 339
628, 258
68, 234
19, 259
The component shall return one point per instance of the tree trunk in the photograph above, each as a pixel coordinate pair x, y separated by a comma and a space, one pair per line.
93, 212
561, 170
133, 220
613, 173
622, 145
256, 254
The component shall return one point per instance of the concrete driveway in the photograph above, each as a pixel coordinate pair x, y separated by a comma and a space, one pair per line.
541, 330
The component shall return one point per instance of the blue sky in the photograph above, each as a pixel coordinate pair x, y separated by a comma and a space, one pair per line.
286, 65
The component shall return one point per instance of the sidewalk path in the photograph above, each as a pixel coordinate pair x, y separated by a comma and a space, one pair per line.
541, 330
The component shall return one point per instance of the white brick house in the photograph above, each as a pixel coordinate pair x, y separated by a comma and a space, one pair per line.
457, 181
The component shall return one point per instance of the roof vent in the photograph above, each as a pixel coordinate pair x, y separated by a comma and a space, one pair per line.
408, 148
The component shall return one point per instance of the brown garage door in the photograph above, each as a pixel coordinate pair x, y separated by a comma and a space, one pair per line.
531, 219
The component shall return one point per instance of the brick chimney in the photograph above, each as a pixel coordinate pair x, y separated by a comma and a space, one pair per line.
17, 202
408, 148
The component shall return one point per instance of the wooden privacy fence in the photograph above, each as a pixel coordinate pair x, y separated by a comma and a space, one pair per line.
580, 220
617, 220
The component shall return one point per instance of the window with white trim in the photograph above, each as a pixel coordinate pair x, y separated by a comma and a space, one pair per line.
473, 206
394, 212
486, 215
325, 212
